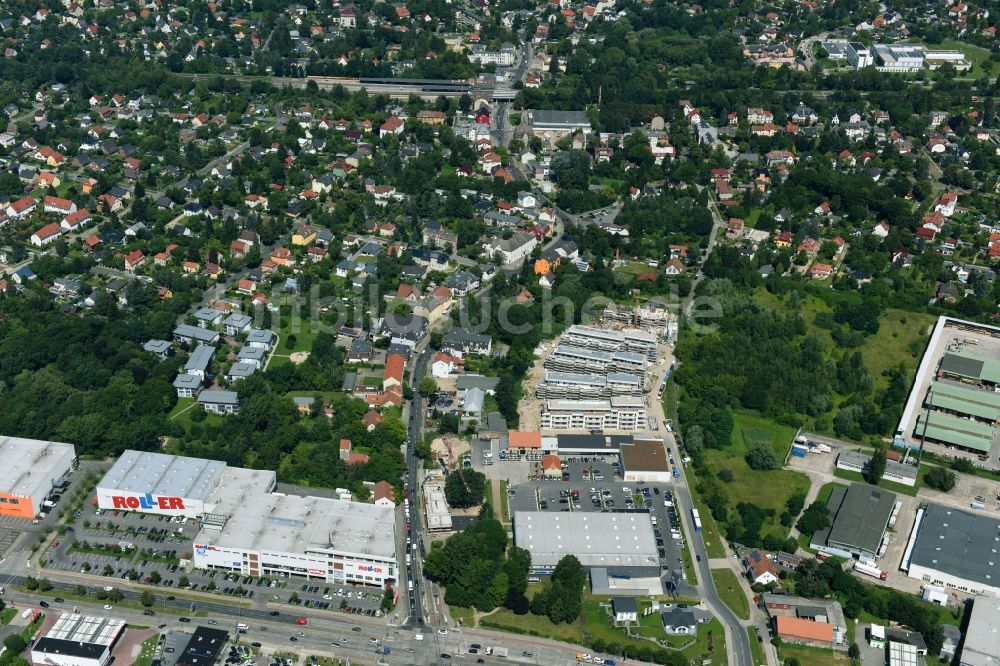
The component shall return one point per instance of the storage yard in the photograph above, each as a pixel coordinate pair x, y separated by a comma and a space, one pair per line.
953, 408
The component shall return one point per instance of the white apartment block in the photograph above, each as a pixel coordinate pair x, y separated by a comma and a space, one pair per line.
629, 339
618, 413
566, 358
570, 385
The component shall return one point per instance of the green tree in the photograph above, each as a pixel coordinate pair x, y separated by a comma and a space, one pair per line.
761, 456
154, 577
15, 644
876, 467
814, 518
427, 386
940, 478
183, 581
465, 488
147, 599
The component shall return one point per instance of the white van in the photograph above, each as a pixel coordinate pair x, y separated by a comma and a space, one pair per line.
418, 637
242, 627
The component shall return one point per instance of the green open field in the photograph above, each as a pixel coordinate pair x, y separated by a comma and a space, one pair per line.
811, 656
900, 340
636, 268
756, 649
748, 429
978, 56
767, 489
709, 530
731, 593
594, 622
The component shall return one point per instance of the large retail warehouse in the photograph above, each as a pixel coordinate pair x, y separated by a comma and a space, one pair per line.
31, 469
248, 528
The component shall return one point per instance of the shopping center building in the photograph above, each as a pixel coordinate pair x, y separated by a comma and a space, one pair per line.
248, 528
30, 470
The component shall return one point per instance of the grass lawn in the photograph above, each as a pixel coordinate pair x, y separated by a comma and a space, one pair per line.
748, 428
709, 530
900, 340
812, 656
756, 649
145, 657
636, 268
856, 477
978, 56
612, 183
459, 614
182, 404
767, 489
594, 623
826, 490
6, 615
731, 593
304, 337
692, 574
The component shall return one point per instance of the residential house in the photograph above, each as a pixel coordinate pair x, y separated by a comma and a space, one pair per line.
393, 373
760, 568
260, 339
460, 342
47, 234
134, 260
187, 386
219, 402
625, 609
383, 494
236, 324
513, 249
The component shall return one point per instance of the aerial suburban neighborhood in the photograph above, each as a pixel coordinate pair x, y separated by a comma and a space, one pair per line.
468, 332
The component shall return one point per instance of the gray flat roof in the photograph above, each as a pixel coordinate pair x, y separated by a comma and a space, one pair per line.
982, 637
208, 314
187, 381
237, 320
30, 465
196, 333
291, 523
156, 346
465, 382
219, 397
861, 460
241, 369
161, 474
597, 539
201, 358
862, 516
959, 543
568, 350
573, 378
565, 119
257, 335
252, 353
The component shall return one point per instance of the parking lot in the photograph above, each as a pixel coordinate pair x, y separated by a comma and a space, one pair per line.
596, 486
156, 550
